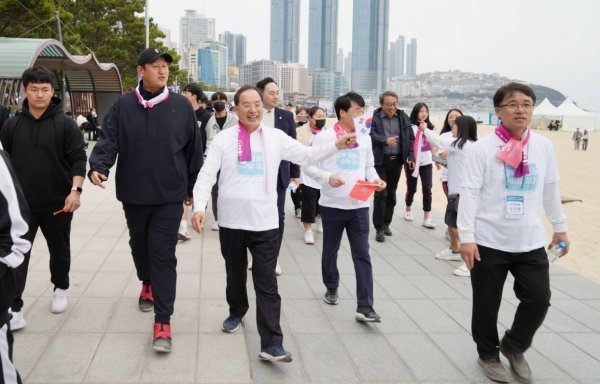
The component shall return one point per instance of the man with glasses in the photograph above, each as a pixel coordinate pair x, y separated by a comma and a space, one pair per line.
510, 176
392, 137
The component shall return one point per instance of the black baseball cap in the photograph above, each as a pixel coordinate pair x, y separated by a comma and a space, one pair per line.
150, 55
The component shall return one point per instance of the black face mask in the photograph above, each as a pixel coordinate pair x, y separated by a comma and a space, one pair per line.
219, 107
300, 123
320, 123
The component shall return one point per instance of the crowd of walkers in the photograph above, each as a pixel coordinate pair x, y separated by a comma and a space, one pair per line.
178, 153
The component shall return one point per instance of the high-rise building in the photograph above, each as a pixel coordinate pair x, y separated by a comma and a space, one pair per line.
212, 64
396, 58
328, 85
195, 28
253, 72
411, 58
339, 62
293, 79
285, 30
348, 65
236, 44
369, 46
322, 34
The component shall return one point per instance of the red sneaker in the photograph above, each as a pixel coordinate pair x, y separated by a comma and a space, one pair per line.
146, 301
162, 337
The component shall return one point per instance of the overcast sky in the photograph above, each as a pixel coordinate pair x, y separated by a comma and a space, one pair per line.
549, 42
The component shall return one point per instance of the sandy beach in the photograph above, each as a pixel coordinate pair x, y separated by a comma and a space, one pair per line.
579, 178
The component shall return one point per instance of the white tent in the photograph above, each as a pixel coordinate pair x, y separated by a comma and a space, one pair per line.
546, 110
545, 113
575, 117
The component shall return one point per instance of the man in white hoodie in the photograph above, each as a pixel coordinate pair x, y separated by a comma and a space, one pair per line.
248, 158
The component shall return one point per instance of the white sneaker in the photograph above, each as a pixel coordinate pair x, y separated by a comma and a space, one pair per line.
278, 269
17, 321
319, 223
462, 271
427, 223
447, 254
215, 226
309, 237
59, 301
250, 263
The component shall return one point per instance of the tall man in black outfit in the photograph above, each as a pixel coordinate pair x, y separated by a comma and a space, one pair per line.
155, 134
279, 118
392, 137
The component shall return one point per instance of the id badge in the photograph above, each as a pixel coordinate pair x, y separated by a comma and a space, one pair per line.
515, 207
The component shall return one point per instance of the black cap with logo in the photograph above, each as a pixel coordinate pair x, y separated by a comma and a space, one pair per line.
150, 55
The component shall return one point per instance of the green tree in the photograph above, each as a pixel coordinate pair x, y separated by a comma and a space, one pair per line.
113, 30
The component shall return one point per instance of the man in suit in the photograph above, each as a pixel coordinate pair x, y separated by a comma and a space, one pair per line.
275, 117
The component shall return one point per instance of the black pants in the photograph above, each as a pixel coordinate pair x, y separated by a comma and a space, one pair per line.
153, 238
57, 231
531, 286
310, 203
281, 191
425, 174
235, 244
8, 372
385, 201
297, 197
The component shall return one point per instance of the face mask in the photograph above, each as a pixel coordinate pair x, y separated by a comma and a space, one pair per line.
219, 107
300, 123
320, 123
303, 119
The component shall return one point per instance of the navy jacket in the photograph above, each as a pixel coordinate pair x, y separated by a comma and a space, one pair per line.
407, 137
284, 120
159, 150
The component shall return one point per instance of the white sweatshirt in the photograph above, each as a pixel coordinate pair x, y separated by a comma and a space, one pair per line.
350, 164
488, 185
248, 191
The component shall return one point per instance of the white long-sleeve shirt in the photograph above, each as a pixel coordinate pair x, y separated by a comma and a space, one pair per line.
248, 190
489, 185
349, 164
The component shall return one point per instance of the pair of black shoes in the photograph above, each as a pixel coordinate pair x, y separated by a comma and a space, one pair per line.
382, 232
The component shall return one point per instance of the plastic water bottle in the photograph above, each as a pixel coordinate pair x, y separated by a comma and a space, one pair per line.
292, 187
556, 251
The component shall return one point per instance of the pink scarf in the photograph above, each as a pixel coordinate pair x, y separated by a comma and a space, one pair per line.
421, 144
513, 153
164, 95
315, 130
339, 131
244, 150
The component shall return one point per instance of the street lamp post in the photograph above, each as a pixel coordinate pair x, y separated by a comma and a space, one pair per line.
147, 23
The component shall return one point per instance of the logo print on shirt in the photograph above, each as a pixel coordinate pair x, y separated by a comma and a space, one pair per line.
527, 183
253, 168
348, 159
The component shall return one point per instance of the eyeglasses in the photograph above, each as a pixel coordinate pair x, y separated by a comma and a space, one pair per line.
513, 106
390, 104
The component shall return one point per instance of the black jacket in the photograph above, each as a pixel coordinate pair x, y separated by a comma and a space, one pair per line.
46, 154
407, 137
203, 115
159, 150
284, 120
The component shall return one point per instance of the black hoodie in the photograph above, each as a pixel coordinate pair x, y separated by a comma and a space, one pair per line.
46, 154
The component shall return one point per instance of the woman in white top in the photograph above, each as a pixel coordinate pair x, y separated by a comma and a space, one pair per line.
419, 117
466, 135
310, 188
447, 135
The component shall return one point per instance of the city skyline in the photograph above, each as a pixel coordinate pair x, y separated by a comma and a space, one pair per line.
285, 31
457, 35
322, 35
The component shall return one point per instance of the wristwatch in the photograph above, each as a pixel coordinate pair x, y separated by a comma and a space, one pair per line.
78, 189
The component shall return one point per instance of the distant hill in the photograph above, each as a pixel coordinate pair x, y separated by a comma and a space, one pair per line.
448, 89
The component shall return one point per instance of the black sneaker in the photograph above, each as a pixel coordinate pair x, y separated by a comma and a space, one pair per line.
331, 296
276, 353
367, 314
387, 231
231, 324
379, 236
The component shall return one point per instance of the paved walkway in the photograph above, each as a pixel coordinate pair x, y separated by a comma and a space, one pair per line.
424, 336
